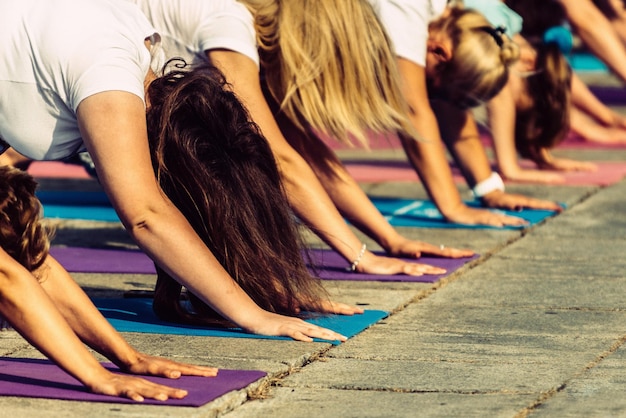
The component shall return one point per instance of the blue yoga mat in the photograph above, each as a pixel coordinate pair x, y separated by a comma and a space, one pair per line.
424, 214
399, 212
92, 206
136, 315
583, 61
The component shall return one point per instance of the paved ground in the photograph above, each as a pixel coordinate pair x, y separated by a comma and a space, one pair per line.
535, 328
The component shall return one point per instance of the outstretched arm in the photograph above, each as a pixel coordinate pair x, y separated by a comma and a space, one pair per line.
429, 157
354, 204
596, 32
587, 102
470, 155
95, 331
501, 110
113, 127
25, 305
308, 197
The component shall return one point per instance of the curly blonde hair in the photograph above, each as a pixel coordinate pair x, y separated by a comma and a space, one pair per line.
323, 75
22, 234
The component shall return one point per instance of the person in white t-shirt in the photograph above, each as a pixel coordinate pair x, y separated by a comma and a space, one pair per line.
305, 71
453, 60
222, 32
72, 77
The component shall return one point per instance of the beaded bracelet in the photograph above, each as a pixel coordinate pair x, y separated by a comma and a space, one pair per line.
356, 262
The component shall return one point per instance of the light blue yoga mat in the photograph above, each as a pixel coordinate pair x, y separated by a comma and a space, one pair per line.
136, 315
424, 214
92, 206
399, 212
586, 62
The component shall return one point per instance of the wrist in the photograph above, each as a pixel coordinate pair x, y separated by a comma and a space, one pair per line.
490, 184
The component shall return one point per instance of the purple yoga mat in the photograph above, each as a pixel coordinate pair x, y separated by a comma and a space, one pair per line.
329, 265
42, 379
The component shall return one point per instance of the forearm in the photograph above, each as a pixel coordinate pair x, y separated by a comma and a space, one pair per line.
25, 305
591, 25
429, 160
83, 317
586, 101
501, 110
166, 236
459, 131
341, 188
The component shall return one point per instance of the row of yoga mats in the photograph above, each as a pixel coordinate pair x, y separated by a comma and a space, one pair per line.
41, 378
399, 212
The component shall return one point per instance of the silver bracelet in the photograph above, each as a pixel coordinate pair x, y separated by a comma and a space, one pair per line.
356, 262
491, 183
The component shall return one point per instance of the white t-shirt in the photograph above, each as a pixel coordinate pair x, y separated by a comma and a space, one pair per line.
406, 23
53, 55
189, 28
498, 14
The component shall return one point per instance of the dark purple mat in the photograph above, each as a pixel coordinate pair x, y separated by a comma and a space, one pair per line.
42, 379
328, 264
610, 95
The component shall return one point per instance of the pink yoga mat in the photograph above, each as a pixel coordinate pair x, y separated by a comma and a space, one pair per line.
608, 173
42, 379
57, 169
571, 141
328, 264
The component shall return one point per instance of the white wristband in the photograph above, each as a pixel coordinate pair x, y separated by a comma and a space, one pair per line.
491, 183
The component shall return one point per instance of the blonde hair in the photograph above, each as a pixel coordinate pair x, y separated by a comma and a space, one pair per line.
330, 66
481, 56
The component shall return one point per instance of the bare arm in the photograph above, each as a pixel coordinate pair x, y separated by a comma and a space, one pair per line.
596, 32
307, 195
501, 111
95, 331
584, 100
113, 126
31, 312
472, 159
429, 157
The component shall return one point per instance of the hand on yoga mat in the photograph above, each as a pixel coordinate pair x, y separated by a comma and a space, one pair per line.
134, 388
407, 248
510, 201
272, 324
381, 265
532, 175
144, 364
565, 164
467, 215
338, 308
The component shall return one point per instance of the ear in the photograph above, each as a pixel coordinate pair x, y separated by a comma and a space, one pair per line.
441, 49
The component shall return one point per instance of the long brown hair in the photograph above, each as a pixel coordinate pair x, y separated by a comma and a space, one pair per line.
22, 234
546, 122
217, 168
